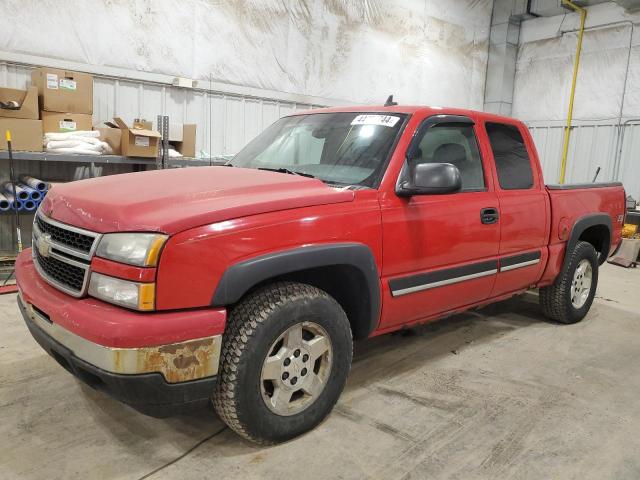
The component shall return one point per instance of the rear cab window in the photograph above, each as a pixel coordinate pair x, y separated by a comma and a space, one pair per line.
512, 161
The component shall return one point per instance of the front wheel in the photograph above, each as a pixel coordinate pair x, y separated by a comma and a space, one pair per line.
569, 299
285, 359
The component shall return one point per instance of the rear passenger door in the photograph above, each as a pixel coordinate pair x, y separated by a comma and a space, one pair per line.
524, 207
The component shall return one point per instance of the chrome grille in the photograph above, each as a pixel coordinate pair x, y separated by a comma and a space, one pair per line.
62, 254
63, 273
72, 239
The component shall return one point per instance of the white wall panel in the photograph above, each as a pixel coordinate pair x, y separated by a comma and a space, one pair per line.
225, 122
590, 147
629, 168
355, 51
607, 93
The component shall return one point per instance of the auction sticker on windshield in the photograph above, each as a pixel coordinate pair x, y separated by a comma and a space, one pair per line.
384, 120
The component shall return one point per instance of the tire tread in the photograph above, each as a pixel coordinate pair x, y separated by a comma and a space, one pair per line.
553, 299
244, 320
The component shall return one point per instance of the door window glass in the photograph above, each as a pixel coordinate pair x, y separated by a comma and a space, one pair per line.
455, 144
512, 159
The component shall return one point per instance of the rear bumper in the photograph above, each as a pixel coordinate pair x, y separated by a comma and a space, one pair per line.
148, 393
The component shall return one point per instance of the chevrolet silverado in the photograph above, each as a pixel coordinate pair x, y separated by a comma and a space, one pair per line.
245, 284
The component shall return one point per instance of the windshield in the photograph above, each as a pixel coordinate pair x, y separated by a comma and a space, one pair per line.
338, 148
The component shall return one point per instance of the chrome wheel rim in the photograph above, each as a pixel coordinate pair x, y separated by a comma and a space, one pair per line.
296, 369
581, 285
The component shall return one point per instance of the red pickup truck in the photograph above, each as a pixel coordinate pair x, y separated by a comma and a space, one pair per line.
245, 284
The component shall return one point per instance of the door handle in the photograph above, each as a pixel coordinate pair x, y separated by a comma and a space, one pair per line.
489, 215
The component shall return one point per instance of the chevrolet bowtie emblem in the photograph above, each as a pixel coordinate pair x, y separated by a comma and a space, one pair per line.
43, 244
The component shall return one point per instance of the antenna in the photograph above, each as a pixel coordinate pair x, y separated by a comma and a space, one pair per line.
390, 102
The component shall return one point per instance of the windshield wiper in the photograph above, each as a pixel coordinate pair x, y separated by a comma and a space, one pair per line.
286, 170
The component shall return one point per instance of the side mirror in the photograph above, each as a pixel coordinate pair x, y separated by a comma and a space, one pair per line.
432, 179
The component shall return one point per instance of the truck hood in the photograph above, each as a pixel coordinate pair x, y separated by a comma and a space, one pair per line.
174, 200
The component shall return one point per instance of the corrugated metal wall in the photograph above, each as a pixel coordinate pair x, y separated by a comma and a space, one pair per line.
225, 122
591, 146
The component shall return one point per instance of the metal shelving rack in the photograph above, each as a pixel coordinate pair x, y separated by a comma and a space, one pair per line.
106, 159
91, 161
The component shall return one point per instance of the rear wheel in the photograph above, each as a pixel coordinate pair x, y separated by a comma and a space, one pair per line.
285, 359
569, 299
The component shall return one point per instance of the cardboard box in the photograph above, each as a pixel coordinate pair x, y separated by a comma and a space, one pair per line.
28, 100
65, 122
111, 136
187, 146
138, 142
26, 135
63, 90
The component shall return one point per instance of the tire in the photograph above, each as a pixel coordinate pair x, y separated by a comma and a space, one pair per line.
256, 341
556, 300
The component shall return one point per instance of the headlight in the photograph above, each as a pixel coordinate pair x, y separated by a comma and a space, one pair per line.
140, 249
139, 296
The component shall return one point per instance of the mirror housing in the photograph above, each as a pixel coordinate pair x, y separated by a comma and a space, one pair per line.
432, 179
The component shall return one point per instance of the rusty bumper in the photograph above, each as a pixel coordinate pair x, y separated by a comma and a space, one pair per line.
177, 362
158, 381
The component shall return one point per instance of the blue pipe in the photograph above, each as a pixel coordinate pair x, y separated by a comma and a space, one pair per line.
28, 205
34, 194
34, 183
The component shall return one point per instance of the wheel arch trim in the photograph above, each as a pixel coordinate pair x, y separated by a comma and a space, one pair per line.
584, 223
240, 277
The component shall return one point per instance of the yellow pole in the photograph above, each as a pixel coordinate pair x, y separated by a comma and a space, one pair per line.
576, 65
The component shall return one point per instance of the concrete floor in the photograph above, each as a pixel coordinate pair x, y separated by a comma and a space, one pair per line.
498, 393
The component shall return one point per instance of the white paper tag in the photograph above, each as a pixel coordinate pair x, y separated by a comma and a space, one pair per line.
67, 84
384, 120
52, 81
141, 141
67, 126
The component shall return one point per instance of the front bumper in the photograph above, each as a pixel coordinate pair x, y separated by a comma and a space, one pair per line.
159, 363
148, 393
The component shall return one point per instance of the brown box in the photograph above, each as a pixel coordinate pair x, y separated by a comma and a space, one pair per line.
63, 90
138, 142
28, 100
111, 136
187, 146
65, 122
26, 135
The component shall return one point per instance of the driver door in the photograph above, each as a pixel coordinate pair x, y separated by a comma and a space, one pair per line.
440, 251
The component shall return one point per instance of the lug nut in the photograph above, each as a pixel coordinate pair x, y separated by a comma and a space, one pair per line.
303, 372
285, 375
294, 380
287, 362
296, 353
305, 357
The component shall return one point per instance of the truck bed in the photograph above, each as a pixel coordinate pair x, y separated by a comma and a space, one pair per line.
571, 202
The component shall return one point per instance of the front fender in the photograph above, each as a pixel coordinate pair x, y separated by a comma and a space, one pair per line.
239, 278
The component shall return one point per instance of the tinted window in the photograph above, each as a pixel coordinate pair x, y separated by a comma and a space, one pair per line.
511, 156
455, 144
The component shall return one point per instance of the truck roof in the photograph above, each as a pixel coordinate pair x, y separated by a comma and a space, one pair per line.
410, 109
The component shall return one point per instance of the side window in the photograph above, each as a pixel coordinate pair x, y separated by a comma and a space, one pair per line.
511, 156
455, 144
